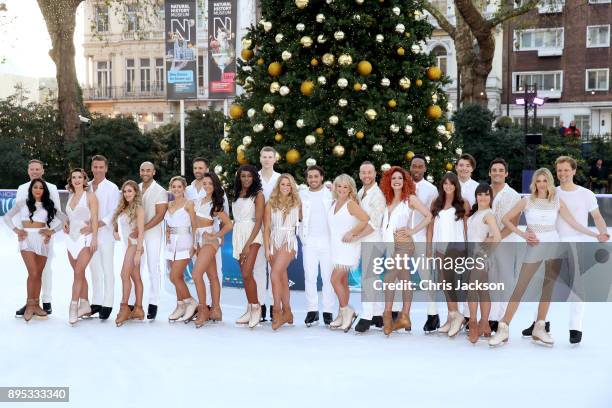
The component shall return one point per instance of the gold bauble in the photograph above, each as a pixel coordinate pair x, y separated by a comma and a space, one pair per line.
306, 88
328, 59
434, 112
235, 111
314, 62
241, 157
278, 137
400, 51
449, 126
359, 134
357, 86
275, 69
260, 61
319, 131
292, 156
364, 68
409, 155
225, 145
338, 151
246, 54
301, 3
392, 103
370, 114
449, 166
418, 82
434, 73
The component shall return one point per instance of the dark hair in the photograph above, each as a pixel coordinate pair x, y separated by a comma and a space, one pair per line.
255, 186
419, 156
37, 162
217, 195
498, 160
317, 168
482, 188
469, 158
201, 159
368, 163
439, 202
99, 157
46, 201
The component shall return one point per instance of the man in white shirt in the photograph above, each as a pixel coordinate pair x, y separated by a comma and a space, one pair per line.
101, 264
269, 177
36, 170
155, 203
580, 202
426, 193
505, 258
195, 191
372, 200
315, 236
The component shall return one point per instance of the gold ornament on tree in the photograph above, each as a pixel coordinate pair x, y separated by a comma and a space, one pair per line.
345, 60
246, 54
418, 82
275, 69
292, 156
328, 59
338, 151
434, 73
301, 4
400, 51
225, 145
359, 134
306, 88
434, 112
235, 111
392, 103
278, 137
370, 114
409, 155
364, 68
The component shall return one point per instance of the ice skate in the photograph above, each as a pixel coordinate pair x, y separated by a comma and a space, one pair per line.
541, 335
246, 317
73, 312
402, 322
123, 315
432, 324
501, 336
202, 317
311, 318
178, 312
255, 317
84, 310
348, 318
387, 323
190, 308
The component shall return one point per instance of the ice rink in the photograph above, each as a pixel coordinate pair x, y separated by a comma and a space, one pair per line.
174, 365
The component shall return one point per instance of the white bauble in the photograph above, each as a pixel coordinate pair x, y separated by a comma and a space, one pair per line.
394, 128
385, 82
357, 17
430, 178
333, 120
364, 87
408, 129
284, 90
320, 18
247, 140
321, 80
278, 124
310, 140
400, 28
409, 117
427, 159
274, 87
459, 151
218, 169
269, 108
300, 27
339, 35
286, 55
396, 11
278, 38
299, 123
385, 167
342, 102
342, 83
434, 98
267, 26
359, 1
258, 127
377, 148
321, 39
380, 38
441, 129
251, 113
415, 48
350, 131
311, 162
439, 145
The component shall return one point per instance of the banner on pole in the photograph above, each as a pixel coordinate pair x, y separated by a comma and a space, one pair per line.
181, 55
221, 49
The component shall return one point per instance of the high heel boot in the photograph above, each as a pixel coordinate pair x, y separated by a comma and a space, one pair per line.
387, 323
123, 315
402, 322
203, 316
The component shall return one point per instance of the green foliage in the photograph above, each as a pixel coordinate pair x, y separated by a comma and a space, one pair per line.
360, 24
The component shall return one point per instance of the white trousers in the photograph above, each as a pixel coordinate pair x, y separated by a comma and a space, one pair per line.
375, 307
262, 278
102, 274
150, 263
47, 277
317, 253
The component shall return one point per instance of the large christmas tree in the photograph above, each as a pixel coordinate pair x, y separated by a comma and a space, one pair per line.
337, 82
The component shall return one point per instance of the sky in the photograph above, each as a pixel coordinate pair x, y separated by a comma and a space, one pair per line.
25, 42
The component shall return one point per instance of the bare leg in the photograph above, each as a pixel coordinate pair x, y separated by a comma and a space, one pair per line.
280, 280
213, 278
404, 275
206, 257
177, 270
527, 272
390, 277
246, 268
552, 269
339, 280
126, 269
79, 286
138, 289
35, 265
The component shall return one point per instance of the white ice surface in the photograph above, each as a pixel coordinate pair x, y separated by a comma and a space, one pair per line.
174, 365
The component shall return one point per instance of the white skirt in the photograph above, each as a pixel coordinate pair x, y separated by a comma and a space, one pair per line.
34, 242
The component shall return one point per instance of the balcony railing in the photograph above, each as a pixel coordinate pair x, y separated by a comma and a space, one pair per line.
153, 91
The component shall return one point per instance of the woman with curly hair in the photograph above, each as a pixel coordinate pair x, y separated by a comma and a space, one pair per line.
446, 237
397, 230
248, 210
39, 220
130, 217
281, 219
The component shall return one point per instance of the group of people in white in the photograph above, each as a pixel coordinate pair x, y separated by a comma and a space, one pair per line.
337, 225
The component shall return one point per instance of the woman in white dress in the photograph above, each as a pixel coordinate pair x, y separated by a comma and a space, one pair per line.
397, 230
481, 230
82, 240
446, 238
38, 221
207, 210
281, 219
541, 208
129, 217
248, 209
347, 222
180, 230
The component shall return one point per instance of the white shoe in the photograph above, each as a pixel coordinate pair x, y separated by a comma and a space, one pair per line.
178, 312
446, 326
255, 316
348, 317
501, 335
456, 323
246, 317
337, 322
73, 313
539, 333
191, 306
84, 309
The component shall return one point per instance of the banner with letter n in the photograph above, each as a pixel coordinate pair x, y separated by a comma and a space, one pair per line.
181, 54
221, 49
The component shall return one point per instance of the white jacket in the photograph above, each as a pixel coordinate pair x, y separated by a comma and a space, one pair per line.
306, 205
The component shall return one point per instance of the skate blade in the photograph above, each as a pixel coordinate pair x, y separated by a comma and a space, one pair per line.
40, 317
504, 342
351, 324
541, 342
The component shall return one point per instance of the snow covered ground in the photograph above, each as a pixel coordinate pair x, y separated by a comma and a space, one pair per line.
173, 365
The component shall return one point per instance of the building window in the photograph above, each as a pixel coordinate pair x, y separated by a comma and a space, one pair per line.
547, 121
130, 75
158, 117
597, 79
104, 78
550, 6
599, 1
441, 58
538, 39
101, 18
201, 71
159, 74
598, 36
548, 83
583, 122
145, 75
132, 17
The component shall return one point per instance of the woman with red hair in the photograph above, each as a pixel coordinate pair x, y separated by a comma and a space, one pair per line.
397, 229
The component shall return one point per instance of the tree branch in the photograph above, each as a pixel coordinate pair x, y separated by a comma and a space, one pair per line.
442, 21
511, 12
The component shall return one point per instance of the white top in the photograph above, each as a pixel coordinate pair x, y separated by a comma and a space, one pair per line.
426, 192
447, 228
79, 216
202, 209
108, 196
315, 205
179, 218
192, 193
541, 214
21, 210
343, 253
283, 229
374, 205
478, 230
502, 204
22, 195
400, 217
468, 191
268, 186
154, 195
580, 202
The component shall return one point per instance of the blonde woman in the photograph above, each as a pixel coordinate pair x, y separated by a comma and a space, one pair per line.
542, 208
130, 217
281, 219
347, 224
82, 212
180, 230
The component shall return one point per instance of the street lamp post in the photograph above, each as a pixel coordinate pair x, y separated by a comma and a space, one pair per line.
530, 101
